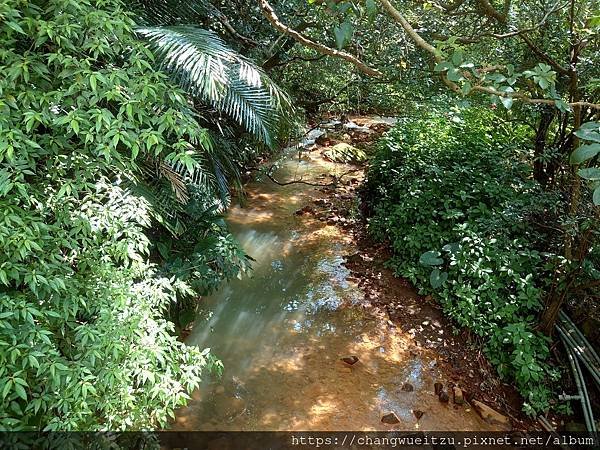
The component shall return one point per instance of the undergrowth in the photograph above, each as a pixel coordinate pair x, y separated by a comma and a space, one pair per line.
453, 196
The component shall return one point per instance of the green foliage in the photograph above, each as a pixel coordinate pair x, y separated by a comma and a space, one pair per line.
589, 133
83, 339
207, 68
456, 204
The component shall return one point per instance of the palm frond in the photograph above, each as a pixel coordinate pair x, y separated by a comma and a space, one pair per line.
204, 66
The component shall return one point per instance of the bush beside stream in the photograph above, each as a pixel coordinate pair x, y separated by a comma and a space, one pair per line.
453, 198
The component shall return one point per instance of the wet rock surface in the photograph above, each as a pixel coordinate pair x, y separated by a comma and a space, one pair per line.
390, 418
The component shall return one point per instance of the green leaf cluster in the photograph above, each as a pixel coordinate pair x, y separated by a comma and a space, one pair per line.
84, 343
587, 153
455, 203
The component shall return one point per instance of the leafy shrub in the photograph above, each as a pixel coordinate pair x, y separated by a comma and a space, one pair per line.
84, 344
451, 195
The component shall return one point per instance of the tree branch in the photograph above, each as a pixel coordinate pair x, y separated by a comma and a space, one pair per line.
271, 16
543, 55
420, 42
409, 29
487, 8
227, 24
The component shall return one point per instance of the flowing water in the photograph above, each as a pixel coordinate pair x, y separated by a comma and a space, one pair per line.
281, 331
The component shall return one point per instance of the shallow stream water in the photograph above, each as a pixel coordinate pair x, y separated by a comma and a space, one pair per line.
281, 331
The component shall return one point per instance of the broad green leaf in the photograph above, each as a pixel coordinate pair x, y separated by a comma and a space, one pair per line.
588, 135
596, 196
584, 152
343, 34
454, 75
441, 66
452, 247
15, 26
437, 278
562, 105
431, 258
507, 102
590, 126
371, 6
457, 58
20, 390
591, 173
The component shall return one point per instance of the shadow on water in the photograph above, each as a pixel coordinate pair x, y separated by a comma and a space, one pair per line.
281, 331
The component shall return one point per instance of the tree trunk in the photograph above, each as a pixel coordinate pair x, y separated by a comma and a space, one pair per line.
559, 295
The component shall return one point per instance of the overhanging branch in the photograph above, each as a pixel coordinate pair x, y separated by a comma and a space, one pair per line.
271, 16
423, 44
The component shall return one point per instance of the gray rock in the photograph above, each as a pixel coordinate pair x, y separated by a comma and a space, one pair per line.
407, 387
459, 398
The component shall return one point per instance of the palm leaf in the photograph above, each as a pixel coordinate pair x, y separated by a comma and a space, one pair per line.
207, 68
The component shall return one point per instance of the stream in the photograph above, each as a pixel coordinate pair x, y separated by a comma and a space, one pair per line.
281, 331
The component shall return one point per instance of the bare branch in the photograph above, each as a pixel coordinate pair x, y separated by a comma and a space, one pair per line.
271, 16
543, 55
557, 7
526, 99
227, 24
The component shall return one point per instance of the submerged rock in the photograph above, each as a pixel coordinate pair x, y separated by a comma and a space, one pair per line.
438, 387
390, 418
230, 406
407, 387
350, 360
219, 390
418, 413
